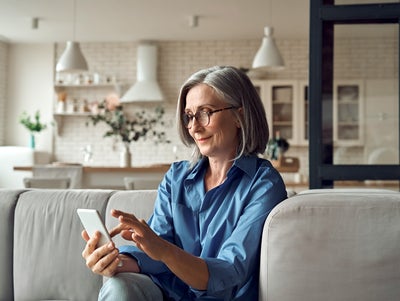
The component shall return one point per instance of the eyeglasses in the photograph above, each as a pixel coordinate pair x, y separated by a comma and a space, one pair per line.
202, 117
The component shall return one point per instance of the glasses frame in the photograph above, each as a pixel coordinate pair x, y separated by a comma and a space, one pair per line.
197, 116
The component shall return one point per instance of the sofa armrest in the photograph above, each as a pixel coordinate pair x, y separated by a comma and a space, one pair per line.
8, 201
332, 245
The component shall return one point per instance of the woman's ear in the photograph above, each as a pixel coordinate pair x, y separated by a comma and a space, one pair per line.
240, 110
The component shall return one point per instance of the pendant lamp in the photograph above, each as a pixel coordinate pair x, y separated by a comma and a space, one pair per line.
268, 56
72, 59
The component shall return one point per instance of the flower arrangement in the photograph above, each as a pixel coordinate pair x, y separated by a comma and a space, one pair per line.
32, 125
141, 125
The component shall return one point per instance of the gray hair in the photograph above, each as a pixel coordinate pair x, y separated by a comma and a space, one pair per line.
235, 88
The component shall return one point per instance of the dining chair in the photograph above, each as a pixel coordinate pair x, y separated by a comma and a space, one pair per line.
132, 183
48, 183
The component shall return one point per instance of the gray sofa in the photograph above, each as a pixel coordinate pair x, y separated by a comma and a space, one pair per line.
316, 245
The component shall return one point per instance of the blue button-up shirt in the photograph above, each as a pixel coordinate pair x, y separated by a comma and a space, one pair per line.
222, 226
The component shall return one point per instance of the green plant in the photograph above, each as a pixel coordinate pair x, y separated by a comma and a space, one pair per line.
34, 125
142, 125
276, 147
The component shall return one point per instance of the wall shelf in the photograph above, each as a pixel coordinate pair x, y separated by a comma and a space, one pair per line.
77, 99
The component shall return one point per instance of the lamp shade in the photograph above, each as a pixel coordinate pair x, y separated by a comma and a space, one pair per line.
268, 56
72, 59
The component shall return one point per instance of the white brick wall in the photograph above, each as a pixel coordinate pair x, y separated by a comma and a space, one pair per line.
177, 61
366, 58
3, 90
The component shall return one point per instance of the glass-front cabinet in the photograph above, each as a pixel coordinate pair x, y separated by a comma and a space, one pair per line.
286, 104
348, 107
279, 98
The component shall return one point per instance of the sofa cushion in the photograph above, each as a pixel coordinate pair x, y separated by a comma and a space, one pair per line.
48, 263
332, 245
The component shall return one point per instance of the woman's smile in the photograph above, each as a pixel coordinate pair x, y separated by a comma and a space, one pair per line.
202, 139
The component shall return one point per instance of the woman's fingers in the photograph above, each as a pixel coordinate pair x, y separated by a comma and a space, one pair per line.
84, 235
127, 222
127, 234
118, 229
91, 243
103, 260
129, 218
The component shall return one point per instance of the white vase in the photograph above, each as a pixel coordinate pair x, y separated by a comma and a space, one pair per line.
125, 156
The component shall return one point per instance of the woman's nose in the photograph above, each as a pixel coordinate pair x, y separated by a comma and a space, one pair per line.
195, 124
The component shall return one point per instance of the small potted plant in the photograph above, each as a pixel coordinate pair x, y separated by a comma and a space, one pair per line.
34, 125
276, 147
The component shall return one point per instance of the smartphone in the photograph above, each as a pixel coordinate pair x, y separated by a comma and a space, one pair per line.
92, 222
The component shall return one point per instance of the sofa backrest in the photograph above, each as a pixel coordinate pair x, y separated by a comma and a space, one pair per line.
332, 245
47, 259
41, 245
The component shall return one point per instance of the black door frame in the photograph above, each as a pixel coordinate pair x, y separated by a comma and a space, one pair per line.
323, 16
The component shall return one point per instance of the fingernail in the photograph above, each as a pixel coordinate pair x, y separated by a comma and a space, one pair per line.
110, 245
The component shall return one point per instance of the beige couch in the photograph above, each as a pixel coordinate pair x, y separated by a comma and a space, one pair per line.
318, 245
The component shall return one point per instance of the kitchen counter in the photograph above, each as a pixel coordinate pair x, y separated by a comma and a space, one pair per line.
109, 177
150, 168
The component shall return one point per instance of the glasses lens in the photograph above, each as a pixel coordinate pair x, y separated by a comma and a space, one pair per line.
203, 118
186, 119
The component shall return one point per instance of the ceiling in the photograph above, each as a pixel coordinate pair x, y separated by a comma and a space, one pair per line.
134, 20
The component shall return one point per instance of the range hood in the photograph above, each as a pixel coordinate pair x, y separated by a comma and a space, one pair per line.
146, 89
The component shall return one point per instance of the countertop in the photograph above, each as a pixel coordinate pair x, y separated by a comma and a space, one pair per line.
90, 169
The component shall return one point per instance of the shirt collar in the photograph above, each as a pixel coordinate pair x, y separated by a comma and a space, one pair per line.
248, 164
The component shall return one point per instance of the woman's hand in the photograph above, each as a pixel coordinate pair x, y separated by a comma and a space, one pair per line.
103, 260
191, 269
140, 233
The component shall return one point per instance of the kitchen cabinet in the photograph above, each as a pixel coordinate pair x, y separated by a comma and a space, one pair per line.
348, 112
286, 103
280, 101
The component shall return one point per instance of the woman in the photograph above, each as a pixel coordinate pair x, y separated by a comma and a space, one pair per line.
203, 239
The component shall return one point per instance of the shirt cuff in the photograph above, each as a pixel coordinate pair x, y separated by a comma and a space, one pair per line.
145, 263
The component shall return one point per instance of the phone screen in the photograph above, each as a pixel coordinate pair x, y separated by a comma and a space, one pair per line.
92, 222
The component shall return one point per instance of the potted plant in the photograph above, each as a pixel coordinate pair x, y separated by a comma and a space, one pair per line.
276, 147
140, 126
34, 125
